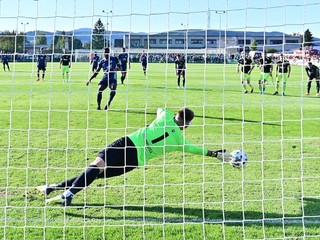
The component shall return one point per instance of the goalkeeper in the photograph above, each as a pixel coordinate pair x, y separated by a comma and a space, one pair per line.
162, 136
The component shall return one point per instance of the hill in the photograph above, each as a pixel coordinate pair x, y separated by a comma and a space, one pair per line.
83, 34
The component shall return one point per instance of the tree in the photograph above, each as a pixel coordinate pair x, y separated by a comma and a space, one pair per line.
87, 45
65, 41
307, 38
41, 38
98, 36
59, 41
271, 50
11, 42
253, 45
77, 43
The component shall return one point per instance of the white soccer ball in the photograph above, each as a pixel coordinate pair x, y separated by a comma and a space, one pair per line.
239, 158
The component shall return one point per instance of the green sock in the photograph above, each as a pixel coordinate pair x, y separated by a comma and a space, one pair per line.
284, 87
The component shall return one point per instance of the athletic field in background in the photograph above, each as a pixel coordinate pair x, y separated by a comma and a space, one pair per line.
50, 131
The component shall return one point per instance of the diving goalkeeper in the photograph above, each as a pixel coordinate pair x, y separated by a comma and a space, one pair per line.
162, 136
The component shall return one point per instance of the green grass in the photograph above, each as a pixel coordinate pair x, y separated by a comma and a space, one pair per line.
50, 131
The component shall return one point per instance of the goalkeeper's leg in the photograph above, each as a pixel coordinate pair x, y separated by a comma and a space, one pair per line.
121, 157
47, 189
80, 182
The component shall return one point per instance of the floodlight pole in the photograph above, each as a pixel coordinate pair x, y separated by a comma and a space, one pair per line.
185, 26
24, 37
110, 12
220, 13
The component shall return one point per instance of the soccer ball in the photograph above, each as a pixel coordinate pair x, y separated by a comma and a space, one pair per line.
239, 158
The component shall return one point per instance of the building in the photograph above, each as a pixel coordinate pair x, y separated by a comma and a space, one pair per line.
213, 39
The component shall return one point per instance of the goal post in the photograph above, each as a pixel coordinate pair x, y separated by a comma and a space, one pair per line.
51, 130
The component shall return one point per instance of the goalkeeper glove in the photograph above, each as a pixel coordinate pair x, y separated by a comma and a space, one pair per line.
221, 155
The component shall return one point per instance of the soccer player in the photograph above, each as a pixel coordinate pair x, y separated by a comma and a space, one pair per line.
283, 71
163, 135
91, 55
41, 64
5, 62
313, 73
247, 66
144, 62
180, 66
110, 65
266, 67
94, 62
124, 60
65, 65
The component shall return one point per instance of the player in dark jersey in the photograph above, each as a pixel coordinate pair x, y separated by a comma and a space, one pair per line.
124, 61
110, 65
94, 62
144, 62
41, 64
180, 66
266, 68
5, 62
313, 73
65, 65
247, 66
163, 135
283, 71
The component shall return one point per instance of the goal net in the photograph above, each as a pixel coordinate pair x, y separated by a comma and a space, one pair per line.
51, 130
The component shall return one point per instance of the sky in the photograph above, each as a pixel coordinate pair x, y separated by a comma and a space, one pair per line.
152, 16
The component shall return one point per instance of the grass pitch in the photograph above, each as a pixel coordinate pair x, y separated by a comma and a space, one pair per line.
51, 130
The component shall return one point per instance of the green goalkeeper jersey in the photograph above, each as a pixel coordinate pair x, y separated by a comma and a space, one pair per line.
162, 136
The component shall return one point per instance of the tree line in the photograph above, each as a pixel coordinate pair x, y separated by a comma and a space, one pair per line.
15, 42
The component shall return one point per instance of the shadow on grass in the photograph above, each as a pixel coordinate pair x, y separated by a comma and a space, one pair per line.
207, 117
312, 206
169, 214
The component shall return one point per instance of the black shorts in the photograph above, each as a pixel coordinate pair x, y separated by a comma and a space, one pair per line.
120, 157
123, 68
41, 68
180, 72
108, 80
94, 67
312, 76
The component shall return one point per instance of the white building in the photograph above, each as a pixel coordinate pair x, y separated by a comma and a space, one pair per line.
212, 39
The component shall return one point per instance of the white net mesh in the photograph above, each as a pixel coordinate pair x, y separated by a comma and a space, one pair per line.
50, 129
